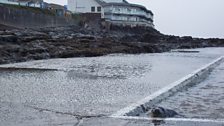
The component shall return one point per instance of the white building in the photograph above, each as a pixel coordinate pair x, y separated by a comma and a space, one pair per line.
114, 11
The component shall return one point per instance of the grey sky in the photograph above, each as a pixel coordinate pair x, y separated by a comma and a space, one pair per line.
198, 18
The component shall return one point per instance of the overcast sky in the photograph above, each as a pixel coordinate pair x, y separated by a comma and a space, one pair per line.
198, 18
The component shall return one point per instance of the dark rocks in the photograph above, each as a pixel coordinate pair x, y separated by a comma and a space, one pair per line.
62, 42
8, 38
4, 27
161, 112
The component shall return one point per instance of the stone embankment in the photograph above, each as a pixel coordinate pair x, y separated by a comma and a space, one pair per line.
29, 17
18, 45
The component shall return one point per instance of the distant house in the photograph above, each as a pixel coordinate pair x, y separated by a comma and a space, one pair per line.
114, 11
13, 2
57, 9
29, 3
66, 7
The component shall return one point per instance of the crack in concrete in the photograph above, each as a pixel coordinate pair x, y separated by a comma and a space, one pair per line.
78, 117
79, 122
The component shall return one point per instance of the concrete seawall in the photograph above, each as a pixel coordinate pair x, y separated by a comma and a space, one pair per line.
21, 17
187, 81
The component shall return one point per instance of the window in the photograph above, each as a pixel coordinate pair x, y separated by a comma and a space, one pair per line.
92, 9
117, 9
98, 9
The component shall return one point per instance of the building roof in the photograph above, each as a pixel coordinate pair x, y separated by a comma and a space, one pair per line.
103, 2
128, 5
55, 6
125, 3
100, 2
35, 1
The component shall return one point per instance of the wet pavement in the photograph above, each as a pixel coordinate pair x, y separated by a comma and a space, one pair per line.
17, 114
137, 122
89, 88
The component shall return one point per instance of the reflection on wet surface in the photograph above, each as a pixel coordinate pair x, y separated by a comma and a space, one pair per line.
204, 100
109, 71
158, 122
98, 85
94, 85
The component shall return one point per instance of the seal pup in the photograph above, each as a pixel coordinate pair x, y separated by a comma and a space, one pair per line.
160, 112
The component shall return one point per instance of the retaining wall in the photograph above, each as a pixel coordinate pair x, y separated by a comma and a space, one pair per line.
24, 18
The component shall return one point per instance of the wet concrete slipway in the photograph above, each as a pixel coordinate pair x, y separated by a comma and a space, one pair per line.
87, 91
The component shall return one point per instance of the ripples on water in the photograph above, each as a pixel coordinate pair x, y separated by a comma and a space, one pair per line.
204, 100
119, 71
96, 85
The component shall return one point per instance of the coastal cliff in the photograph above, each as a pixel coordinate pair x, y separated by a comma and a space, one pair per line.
84, 38
20, 45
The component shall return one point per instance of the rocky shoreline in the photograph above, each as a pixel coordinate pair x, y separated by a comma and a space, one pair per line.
19, 45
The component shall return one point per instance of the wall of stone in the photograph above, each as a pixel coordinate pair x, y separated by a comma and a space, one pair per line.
92, 20
24, 18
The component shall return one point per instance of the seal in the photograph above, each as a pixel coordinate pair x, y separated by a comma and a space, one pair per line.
160, 112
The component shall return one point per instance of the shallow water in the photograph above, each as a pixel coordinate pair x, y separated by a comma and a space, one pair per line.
204, 100
97, 85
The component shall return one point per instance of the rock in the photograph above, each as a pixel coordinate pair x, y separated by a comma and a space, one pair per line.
8, 38
31, 44
2, 32
160, 112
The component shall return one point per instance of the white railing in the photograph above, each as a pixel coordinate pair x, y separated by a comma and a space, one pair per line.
115, 10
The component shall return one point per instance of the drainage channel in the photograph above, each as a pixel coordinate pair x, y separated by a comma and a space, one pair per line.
141, 110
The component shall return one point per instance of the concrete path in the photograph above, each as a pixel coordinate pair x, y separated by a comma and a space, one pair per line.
85, 91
